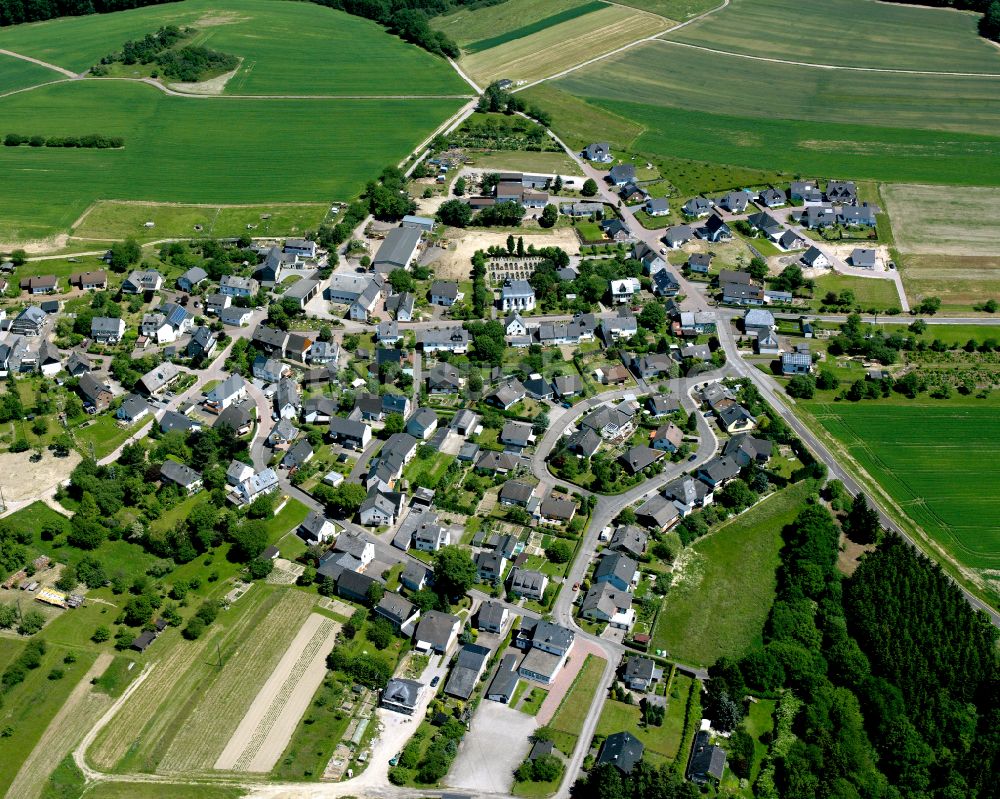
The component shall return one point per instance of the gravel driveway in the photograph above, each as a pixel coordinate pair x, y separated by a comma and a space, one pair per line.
495, 745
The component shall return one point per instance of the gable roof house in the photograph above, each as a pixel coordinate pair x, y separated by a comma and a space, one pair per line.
742, 294
599, 152
270, 340
621, 174
444, 292
698, 206
230, 391
236, 286
300, 453
287, 401
629, 540
604, 602
182, 475
78, 364
668, 437
758, 322
718, 471
797, 362
687, 494
29, 322
132, 409
736, 419
469, 667
633, 194
857, 215
707, 762
234, 316
641, 673
380, 508
107, 329
507, 394
422, 424
815, 258
657, 512
528, 583
316, 529
637, 458
397, 610
766, 224
263, 482
617, 569
191, 278
89, 281
363, 306
436, 632
514, 492
622, 750
202, 343
715, 230
556, 510
141, 281
449, 339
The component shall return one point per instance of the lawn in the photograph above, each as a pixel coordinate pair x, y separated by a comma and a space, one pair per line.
16, 73
183, 158
334, 53
563, 45
725, 586
868, 292
288, 518
661, 742
428, 471
103, 435
522, 160
882, 35
117, 220
579, 123
575, 705
657, 74
160, 790
933, 458
533, 701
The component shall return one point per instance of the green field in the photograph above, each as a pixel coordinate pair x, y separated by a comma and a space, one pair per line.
674, 9
720, 604
118, 220
506, 21
935, 459
869, 292
881, 35
15, 73
333, 53
660, 74
805, 147
661, 742
172, 154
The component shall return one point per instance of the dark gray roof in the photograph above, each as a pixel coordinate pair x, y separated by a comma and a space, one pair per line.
468, 666
491, 613
615, 565
179, 473
435, 627
402, 692
622, 750
398, 246
505, 679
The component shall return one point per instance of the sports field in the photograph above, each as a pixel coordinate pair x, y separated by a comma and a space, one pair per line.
937, 460
118, 220
557, 47
267, 151
287, 48
16, 73
661, 74
725, 584
857, 33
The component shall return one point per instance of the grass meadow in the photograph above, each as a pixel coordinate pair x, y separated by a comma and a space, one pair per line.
15, 73
661, 742
936, 459
173, 154
575, 705
470, 28
563, 45
334, 53
108, 219
679, 10
579, 122
881, 35
869, 292
660, 73
535, 27
943, 220
720, 604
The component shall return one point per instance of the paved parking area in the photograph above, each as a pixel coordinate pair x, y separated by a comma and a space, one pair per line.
495, 745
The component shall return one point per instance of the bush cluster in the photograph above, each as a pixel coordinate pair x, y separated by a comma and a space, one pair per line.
91, 141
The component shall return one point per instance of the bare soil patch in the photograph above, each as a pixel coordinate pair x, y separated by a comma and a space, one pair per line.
456, 262
849, 557
24, 481
267, 727
213, 86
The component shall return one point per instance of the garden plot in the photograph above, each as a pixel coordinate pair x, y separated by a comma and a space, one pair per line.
265, 730
228, 698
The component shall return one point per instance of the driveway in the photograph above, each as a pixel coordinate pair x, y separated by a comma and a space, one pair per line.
495, 745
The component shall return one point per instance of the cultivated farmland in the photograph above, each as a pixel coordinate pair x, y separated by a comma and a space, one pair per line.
880, 35
660, 74
15, 73
280, 154
724, 584
558, 47
334, 53
222, 705
265, 730
935, 459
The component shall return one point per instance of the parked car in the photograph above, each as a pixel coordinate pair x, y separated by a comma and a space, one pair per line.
435, 680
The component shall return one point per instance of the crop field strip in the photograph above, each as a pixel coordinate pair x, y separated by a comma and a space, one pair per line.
930, 220
535, 27
335, 53
223, 704
469, 26
936, 460
264, 732
562, 46
171, 155
881, 35
130, 738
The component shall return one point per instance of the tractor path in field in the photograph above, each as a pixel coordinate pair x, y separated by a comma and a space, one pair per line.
40, 63
931, 73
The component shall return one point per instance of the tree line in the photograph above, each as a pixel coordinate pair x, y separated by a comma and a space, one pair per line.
896, 673
14, 12
93, 141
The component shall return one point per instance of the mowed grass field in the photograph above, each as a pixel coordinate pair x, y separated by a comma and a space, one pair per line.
679, 10
720, 604
948, 246
660, 73
16, 73
287, 48
945, 220
575, 705
563, 45
856, 33
118, 220
869, 292
267, 150
936, 459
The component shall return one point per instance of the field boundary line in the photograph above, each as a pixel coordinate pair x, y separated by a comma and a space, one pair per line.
887, 70
628, 46
36, 86
39, 62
